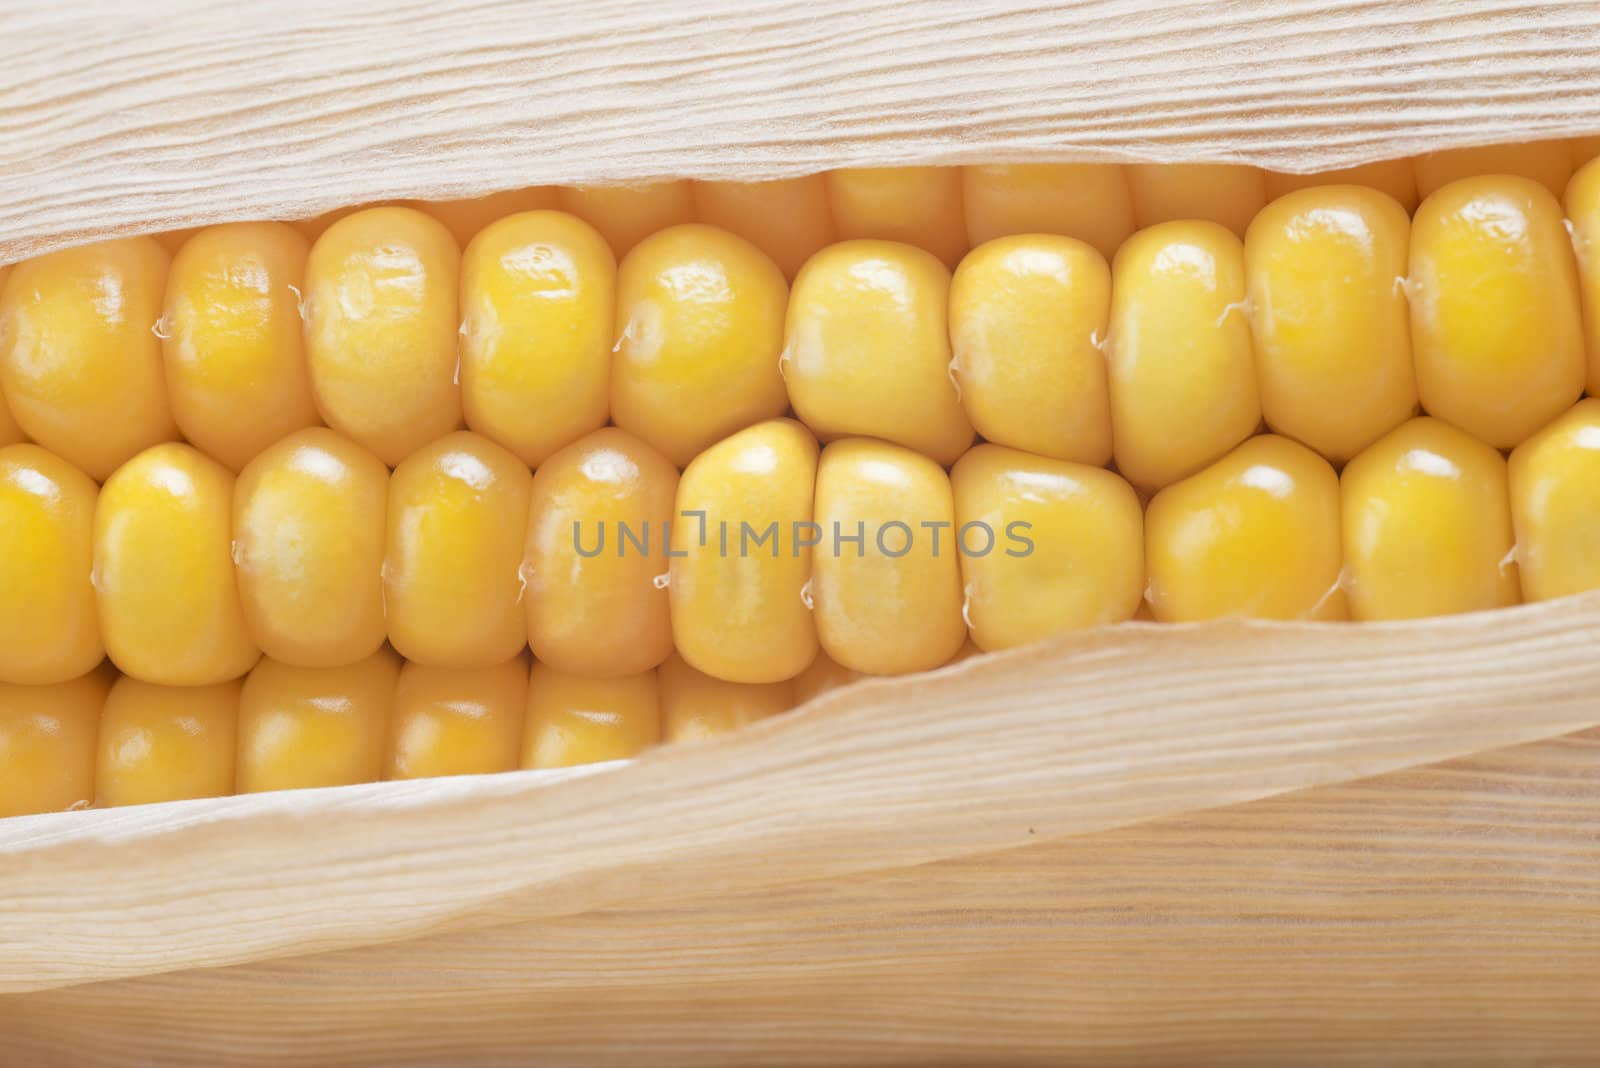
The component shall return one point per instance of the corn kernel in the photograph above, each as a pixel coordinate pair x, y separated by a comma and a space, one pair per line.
1089, 201
381, 329
1547, 162
1330, 321
1046, 545
1027, 316
80, 361
697, 708
572, 719
10, 432
1222, 193
235, 367
627, 214
47, 744
466, 218
788, 220
315, 227
1496, 331
457, 721
538, 295
1392, 177
163, 570
304, 727
919, 206
1555, 505
1427, 525
868, 348
824, 674
739, 569
889, 599
1254, 535
49, 631
166, 743
458, 514
1583, 208
700, 327
1182, 368
172, 241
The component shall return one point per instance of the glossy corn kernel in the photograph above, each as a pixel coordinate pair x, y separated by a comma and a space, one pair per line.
1182, 368
868, 349
1427, 525
1393, 177
1330, 322
80, 362
740, 566
1583, 208
466, 218
304, 727
163, 570
1496, 331
627, 214
47, 744
886, 574
309, 530
457, 721
538, 294
696, 707
452, 571
789, 220
1223, 193
824, 674
316, 226
1046, 545
49, 631
10, 432
235, 362
597, 543
166, 743
1255, 535
1555, 505
381, 329
1027, 317
575, 719
1547, 162
700, 329
919, 206
1089, 201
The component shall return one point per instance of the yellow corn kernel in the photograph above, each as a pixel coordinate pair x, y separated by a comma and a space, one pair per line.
627, 214
49, 631
466, 218
315, 227
574, 719
1555, 505
788, 220
10, 432
538, 295
824, 674
700, 329
1547, 162
697, 708
1583, 208
47, 744
457, 721
1089, 201
1027, 316
235, 366
304, 727
1331, 327
739, 569
1427, 525
596, 544
1182, 368
886, 578
80, 361
1584, 149
381, 329
868, 349
919, 206
1393, 177
1496, 331
163, 570
452, 571
1223, 193
308, 529
1254, 535
1046, 545
166, 743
